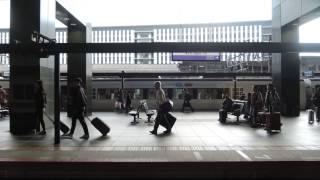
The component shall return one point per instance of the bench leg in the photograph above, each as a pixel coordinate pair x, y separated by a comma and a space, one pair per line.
149, 120
134, 120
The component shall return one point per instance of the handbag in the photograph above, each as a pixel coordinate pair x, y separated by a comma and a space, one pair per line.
166, 106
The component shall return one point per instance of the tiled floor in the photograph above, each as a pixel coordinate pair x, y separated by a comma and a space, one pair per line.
196, 137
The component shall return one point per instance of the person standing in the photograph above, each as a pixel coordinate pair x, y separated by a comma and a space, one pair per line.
40, 101
272, 99
78, 104
3, 97
160, 100
256, 105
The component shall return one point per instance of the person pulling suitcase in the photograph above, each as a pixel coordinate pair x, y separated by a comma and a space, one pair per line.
79, 103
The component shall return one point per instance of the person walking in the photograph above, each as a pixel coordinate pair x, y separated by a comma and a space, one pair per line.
79, 102
161, 109
40, 101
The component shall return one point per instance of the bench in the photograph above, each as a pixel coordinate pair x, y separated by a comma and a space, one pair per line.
237, 110
134, 114
3, 112
149, 114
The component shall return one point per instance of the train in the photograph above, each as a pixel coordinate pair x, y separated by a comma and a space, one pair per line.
207, 93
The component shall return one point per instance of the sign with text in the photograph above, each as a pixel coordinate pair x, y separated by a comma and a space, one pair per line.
202, 56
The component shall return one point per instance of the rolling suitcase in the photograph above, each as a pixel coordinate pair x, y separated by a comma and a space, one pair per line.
310, 116
63, 127
170, 118
100, 125
273, 122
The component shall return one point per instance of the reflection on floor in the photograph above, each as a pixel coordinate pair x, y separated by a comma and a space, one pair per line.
195, 137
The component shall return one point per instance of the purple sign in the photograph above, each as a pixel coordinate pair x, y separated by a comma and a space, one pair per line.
195, 56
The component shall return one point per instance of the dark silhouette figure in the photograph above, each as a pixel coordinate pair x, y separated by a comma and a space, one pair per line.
186, 102
79, 102
40, 102
119, 101
247, 106
226, 107
3, 97
256, 105
162, 109
272, 99
316, 102
128, 103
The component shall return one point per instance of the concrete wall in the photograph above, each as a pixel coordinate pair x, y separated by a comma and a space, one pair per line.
293, 9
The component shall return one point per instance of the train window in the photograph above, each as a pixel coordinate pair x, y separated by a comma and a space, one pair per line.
94, 93
101, 94
151, 93
178, 94
137, 94
214, 93
238, 93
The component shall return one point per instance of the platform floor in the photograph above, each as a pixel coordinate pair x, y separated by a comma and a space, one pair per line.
196, 137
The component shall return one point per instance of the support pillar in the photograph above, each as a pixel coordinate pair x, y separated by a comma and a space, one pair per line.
286, 66
25, 69
79, 64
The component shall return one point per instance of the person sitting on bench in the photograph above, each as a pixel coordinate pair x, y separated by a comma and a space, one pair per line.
226, 107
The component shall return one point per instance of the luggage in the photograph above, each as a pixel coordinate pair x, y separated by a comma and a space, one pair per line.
166, 106
170, 118
63, 127
273, 122
222, 116
100, 125
310, 116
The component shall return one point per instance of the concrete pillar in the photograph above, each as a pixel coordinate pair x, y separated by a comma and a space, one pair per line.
285, 66
25, 69
79, 64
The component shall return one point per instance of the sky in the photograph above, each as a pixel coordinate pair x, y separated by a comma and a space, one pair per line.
152, 12
307, 33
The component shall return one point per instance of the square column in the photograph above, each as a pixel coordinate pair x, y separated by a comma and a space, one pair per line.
28, 16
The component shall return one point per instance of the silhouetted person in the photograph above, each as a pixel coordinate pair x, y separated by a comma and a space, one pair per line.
119, 101
316, 102
79, 102
128, 103
3, 97
247, 106
226, 107
242, 97
161, 111
40, 102
272, 99
186, 101
256, 105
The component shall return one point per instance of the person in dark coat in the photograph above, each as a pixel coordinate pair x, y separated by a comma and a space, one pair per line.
79, 102
40, 102
226, 107
272, 100
128, 103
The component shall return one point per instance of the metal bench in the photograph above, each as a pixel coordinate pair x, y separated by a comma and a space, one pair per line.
149, 114
134, 114
3, 112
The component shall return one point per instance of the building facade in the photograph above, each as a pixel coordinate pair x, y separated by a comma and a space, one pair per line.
254, 31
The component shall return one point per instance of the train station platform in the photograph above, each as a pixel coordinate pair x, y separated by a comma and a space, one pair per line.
198, 147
